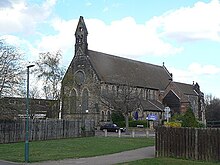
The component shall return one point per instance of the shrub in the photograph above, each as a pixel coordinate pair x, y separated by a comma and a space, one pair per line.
134, 123
120, 123
117, 117
189, 120
173, 124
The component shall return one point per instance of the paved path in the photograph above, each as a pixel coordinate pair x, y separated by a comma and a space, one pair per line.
3, 162
142, 153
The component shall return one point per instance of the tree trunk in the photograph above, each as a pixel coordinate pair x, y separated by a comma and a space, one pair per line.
127, 124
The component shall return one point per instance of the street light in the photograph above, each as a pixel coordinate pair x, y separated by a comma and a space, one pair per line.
27, 117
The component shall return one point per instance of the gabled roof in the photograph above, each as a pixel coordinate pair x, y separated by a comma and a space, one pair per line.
187, 89
118, 70
152, 105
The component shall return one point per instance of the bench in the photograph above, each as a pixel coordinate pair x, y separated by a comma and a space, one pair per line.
140, 126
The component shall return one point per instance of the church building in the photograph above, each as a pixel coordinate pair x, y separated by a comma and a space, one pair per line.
91, 72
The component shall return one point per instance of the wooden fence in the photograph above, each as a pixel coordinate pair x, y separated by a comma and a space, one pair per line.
14, 131
188, 143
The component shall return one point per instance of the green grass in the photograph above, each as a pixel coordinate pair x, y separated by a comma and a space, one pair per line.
167, 161
71, 148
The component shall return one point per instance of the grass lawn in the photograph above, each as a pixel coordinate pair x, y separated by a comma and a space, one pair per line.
71, 148
168, 161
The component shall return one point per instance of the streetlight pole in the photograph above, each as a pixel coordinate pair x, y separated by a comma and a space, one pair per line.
27, 118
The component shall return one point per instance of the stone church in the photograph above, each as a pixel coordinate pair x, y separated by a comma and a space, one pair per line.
91, 72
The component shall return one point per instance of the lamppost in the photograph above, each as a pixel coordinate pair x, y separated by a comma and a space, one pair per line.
27, 118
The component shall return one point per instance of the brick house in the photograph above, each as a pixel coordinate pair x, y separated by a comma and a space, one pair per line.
179, 96
91, 72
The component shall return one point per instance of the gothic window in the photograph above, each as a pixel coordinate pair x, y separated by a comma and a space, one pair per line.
136, 91
65, 105
79, 77
72, 101
106, 88
141, 93
97, 107
65, 102
85, 100
117, 90
103, 116
151, 94
146, 93
108, 116
113, 89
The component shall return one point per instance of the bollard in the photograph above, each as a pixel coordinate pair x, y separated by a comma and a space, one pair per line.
133, 133
106, 132
119, 133
147, 133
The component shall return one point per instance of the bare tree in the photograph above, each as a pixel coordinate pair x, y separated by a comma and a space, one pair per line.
125, 100
212, 108
49, 71
11, 73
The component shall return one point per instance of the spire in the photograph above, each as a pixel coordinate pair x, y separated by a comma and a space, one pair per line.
81, 36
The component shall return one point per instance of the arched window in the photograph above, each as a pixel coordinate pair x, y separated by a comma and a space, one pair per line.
72, 101
65, 101
108, 116
85, 100
103, 116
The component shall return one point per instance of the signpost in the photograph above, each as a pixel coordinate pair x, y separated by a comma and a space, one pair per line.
167, 113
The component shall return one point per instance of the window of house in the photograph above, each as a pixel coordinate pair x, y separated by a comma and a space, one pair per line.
143, 94
146, 93
96, 107
113, 89
136, 91
151, 94
108, 116
103, 116
118, 90
72, 101
85, 100
106, 88
66, 104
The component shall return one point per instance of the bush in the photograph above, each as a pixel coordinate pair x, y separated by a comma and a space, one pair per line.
117, 117
173, 124
189, 120
120, 123
134, 123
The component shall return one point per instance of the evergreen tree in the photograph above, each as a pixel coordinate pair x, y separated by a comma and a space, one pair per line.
189, 119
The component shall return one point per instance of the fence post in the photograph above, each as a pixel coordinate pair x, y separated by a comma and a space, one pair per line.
133, 133
196, 143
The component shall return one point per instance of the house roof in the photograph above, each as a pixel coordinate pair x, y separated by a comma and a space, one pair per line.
118, 70
152, 105
187, 89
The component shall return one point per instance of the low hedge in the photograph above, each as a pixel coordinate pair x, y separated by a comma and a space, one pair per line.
133, 123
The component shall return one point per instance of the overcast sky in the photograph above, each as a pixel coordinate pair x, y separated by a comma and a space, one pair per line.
184, 34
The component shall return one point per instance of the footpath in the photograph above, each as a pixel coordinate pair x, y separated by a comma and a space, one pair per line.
141, 153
